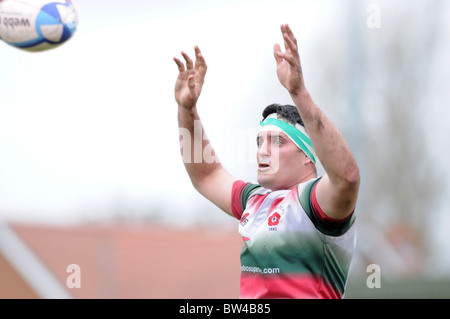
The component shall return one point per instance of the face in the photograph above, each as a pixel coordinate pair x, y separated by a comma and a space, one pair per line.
281, 164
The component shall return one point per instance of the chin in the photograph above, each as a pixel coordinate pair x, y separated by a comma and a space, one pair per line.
262, 181
274, 182
267, 181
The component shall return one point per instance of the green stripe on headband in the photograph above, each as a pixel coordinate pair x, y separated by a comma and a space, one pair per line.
298, 136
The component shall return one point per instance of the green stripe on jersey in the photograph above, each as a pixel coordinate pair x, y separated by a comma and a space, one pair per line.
247, 192
329, 229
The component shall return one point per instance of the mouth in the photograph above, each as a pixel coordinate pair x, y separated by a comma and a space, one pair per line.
263, 166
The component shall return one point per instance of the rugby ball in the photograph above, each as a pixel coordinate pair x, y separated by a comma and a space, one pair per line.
37, 25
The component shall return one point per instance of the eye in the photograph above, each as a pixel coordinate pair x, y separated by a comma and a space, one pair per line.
277, 141
259, 141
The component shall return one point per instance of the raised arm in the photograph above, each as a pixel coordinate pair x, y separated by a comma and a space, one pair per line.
205, 171
337, 191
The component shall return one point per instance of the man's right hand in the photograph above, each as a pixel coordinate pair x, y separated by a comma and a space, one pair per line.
190, 79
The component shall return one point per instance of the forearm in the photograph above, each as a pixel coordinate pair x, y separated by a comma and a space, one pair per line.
330, 146
197, 152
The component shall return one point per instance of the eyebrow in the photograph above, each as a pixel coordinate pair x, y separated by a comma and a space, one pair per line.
280, 135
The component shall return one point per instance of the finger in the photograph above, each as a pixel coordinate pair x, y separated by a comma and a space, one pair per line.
189, 63
283, 34
290, 33
179, 64
277, 53
199, 59
289, 43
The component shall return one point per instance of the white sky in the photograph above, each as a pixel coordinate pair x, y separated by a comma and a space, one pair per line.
92, 124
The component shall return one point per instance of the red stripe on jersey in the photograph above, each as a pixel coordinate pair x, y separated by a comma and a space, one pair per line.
319, 212
257, 286
256, 201
236, 204
275, 204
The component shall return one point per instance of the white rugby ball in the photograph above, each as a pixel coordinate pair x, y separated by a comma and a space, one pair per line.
37, 25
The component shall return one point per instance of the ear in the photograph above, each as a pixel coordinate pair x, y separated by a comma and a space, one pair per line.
305, 159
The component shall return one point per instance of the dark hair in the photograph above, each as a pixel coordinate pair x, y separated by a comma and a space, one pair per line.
288, 112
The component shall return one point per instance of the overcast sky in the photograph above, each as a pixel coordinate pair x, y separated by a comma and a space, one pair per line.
92, 124
90, 127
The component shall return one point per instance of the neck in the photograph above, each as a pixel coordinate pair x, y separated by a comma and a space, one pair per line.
305, 178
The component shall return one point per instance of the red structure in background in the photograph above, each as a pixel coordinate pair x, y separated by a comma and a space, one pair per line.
119, 261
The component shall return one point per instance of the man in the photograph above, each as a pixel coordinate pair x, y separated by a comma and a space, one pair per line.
298, 229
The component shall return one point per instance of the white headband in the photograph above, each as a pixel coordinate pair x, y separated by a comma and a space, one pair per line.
297, 134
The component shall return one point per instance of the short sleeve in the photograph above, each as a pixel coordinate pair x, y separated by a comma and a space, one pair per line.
326, 225
240, 194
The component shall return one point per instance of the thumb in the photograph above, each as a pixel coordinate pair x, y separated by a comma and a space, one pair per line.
277, 53
191, 82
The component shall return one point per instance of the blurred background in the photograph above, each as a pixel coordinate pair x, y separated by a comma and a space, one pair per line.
90, 170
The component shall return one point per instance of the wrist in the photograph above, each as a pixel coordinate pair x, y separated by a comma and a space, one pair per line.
187, 111
305, 105
186, 108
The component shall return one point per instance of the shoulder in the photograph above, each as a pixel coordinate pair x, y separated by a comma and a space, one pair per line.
325, 224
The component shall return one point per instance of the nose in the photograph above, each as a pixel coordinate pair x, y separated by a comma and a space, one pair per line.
264, 149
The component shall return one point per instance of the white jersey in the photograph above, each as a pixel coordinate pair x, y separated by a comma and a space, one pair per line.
291, 248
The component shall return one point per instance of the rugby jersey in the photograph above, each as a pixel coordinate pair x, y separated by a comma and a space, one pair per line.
291, 248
